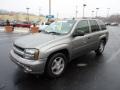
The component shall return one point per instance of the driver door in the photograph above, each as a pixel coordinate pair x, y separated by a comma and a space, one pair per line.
80, 43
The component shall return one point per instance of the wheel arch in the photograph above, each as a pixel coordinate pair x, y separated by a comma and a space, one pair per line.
63, 51
104, 39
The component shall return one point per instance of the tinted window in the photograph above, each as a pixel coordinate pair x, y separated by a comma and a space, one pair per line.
94, 26
83, 26
102, 25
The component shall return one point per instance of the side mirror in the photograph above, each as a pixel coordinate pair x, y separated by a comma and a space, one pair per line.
78, 33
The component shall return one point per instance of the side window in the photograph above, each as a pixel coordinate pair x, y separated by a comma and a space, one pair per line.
102, 25
83, 26
94, 26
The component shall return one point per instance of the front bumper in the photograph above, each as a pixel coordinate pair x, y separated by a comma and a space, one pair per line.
30, 66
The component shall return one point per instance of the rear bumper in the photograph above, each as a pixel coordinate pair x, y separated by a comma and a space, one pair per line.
30, 66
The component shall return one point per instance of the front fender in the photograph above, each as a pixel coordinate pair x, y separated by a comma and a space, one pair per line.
46, 52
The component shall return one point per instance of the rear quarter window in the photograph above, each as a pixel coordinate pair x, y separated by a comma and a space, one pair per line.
94, 26
102, 25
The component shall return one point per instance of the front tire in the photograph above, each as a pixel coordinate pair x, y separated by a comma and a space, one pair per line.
101, 47
56, 65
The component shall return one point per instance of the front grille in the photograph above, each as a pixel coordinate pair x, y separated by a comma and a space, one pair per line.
18, 54
18, 50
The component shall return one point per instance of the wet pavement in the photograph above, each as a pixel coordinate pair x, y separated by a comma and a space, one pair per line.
88, 72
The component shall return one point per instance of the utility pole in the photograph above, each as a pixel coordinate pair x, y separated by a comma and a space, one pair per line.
49, 7
84, 5
27, 14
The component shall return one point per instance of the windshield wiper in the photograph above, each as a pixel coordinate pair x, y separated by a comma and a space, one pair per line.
44, 31
55, 33
51, 32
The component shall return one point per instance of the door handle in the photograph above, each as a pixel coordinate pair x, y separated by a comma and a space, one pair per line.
89, 37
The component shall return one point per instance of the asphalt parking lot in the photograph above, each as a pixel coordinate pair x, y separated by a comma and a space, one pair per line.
88, 72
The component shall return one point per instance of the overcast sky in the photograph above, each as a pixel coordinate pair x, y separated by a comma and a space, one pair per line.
64, 8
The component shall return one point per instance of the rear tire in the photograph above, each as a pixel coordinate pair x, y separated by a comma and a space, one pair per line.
56, 65
101, 47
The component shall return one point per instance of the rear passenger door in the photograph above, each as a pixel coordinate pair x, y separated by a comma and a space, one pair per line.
95, 33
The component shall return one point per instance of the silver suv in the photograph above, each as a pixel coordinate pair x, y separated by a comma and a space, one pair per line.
50, 50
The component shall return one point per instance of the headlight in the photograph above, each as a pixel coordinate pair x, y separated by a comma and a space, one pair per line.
31, 53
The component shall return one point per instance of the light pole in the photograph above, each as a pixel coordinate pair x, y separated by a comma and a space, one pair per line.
92, 15
76, 12
39, 14
84, 5
97, 11
27, 14
57, 15
17, 17
49, 7
108, 9
39, 11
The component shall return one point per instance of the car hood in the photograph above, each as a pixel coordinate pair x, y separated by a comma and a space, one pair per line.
35, 40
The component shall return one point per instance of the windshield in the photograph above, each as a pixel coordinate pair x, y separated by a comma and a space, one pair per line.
60, 27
